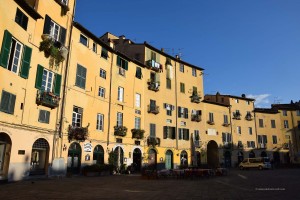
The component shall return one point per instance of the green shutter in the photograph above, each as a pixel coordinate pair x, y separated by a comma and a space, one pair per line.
12, 104
57, 84
6, 43
39, 77
47, 25
26, 62
118, 61
126, 65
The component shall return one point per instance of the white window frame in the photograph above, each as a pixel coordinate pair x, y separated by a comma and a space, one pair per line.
137, 100
120, 94
102, 73
101, 92
194, 72
17, 56
77, 117
47, 80
94, 47
100, 122
54, 30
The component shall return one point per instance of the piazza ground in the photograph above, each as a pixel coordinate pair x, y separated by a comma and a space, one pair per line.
248, 184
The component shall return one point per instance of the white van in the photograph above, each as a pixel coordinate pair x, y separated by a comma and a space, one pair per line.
260, 163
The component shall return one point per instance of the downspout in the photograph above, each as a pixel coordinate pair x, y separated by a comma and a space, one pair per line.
109, 101
230, 122
256, 136
176, 109
294, 136
60, 134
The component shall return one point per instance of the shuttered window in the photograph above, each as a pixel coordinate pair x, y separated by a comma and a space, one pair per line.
21, 19
80, 76
182, 88
183, 134
47, 80
152, 130
44, 116
122, 63
54, 30
138, 73
7, 104
169, 132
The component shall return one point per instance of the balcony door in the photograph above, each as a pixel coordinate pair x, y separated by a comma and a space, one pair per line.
74, 158
5, 148
169, 159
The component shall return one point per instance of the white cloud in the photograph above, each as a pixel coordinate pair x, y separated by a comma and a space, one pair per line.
261, 100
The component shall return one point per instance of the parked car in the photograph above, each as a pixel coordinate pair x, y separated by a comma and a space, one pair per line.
260, 163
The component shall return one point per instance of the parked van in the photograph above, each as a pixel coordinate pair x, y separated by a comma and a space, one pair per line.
260, 163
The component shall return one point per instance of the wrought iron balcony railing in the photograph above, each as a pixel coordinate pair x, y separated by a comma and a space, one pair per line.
154, 141
120, 131
153, 109
47, 99
77, 133
137, 133
196, 118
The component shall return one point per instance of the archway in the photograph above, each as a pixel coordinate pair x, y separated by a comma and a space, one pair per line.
184, 159
251, 154
74, 158
137, 159
152, 159
263, 154
276, 158
39, 157
227, 159
198, 158
240, 156
119, 157
169, 160
212, 154
5, 149
98, 155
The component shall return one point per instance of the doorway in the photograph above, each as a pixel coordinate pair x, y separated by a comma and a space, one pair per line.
137, 160
5, 149
39, 157
98, 155
212, 154
118, 157
74, 158
152, 159
169, 159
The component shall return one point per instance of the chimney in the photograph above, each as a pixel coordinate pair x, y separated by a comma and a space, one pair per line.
162, 50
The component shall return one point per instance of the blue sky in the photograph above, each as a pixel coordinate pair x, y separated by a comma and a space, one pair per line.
247, 47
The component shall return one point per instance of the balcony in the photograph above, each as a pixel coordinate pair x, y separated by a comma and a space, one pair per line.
77, 133
249, 117
154, 141
196, 118
152, 64
195, 98
153, 85
211, 122
120, 131
153, 109
262, 145
237, 115
47, 99
226, 124
137, 133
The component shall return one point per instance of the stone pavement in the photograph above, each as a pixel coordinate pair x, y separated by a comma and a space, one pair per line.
249, 184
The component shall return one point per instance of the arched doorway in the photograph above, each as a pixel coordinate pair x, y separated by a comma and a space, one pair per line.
169, 160
152, 159
39, 157
98, 155
5, 148
212, 154
184, 159
251, 154
263, 154
276, 158
198, 158
74, 158
240, 156
137, 159
227, 159
119, 157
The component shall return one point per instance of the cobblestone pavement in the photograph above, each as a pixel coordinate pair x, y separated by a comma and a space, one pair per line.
249, 184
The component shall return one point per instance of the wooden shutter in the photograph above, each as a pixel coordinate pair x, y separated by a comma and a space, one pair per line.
224, 137
118, 61
186, 113
57, 84
229, 137
12, 104
39, 77
173, 133
165, 132
62, 36
259, 138
126, 65
6, 43
179, 111
179, 134
47, 25
26, 62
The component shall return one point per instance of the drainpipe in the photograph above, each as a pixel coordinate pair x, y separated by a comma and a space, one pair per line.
64, 85
176, 109
109, 101
294, 136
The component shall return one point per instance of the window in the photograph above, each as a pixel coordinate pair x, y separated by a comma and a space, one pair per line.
250, 130
169, 83
100, 122
77, 116
152, 130
83, 40
80, 76
120, 94
119, 119
298, 112
284, 113
102, 73
153, 55
137, 123
273, 125
47, 81
57, 32
251, 144
65, 2
262, 139
211, 117
182, 88
286, 123
7, 102
169, 132
194, 72
183, 134
137, 100
239, 129
138, 73
181, 67
196, 135
94, 47
169, 108
21, 19
261, 123
240, 144
122, 63
236, 101
225, 117
44, 116
274, 138
101, 92
104, 53
183, 112
226, 137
